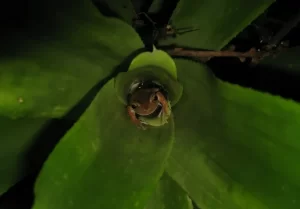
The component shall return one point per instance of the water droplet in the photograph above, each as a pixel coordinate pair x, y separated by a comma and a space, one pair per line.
20, 100
71, 202
66, 176
94, 146
57, 183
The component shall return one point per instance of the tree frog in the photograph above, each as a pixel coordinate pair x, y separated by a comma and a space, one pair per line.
145, 102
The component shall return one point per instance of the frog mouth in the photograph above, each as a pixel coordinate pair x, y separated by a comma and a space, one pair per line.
154, 114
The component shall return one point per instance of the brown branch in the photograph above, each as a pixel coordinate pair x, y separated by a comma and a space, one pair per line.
206, 55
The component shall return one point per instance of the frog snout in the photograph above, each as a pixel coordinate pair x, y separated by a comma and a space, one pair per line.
146, 107
146, 110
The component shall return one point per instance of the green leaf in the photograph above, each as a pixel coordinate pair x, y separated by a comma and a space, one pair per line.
104, 161
17, 137
168, 195
218, 21
235, 148
49, 79
156, 6
287, 61
122, 8
157, 58
70, 52
156, 66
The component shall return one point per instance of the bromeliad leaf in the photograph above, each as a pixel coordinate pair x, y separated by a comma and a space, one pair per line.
169, 195
239, 148
54, 75
216, 21
104, 161
47, 68
157, 58
16, 140
156, 66
123, 9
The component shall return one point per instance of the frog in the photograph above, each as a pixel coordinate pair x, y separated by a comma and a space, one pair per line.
145, 102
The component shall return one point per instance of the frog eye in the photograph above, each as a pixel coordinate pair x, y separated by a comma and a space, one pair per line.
153, 97
134, 106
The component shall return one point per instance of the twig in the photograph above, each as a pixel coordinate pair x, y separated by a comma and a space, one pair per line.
206, 55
